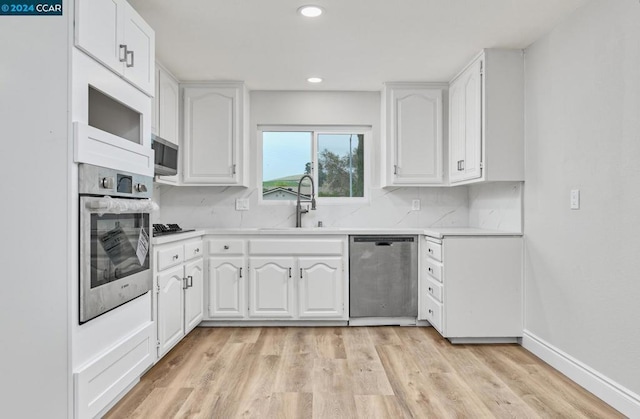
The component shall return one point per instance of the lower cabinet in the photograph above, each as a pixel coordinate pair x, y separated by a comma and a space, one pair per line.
277, 279
179, 282
471, 287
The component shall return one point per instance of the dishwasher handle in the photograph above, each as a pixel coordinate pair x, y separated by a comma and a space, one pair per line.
386, 240
384, 244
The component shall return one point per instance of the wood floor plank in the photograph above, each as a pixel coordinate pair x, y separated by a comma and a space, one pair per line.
334, 405
415, 393
290, 406
358, 344
379, 407
351, 372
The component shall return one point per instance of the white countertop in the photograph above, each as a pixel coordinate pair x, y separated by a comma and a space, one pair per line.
432, 232
436, 232
169, 238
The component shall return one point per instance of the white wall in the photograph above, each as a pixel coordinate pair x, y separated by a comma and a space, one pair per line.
214, 206
34, 308
582, 106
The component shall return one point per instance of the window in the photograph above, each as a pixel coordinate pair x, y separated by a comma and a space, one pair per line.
335, 159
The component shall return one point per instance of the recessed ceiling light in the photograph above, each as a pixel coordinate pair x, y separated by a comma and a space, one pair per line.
314, 80
310, 11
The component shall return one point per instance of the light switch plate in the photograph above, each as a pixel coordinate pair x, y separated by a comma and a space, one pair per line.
242, 204
415, 205
575, 199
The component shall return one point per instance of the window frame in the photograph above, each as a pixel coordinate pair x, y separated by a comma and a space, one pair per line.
315, 131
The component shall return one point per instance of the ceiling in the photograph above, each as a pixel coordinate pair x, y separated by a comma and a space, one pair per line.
354, 45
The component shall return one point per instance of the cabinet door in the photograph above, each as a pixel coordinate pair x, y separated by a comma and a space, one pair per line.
168, 95
271, 287
466, 125
140, 40
193, 294
211, 135
170, 308
415, 132
98, 33
321, 287
227, 292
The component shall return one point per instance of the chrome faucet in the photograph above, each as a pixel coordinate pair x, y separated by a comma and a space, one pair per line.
299, 210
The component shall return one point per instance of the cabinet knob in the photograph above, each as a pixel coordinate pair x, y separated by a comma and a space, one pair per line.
226, 247
430, 269
175, 257
430, 250
430, 289
430, 311
197, 250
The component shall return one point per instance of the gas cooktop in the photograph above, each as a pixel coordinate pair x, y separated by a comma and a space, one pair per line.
164, 229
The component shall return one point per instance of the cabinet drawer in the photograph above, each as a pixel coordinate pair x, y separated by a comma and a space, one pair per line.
434, 269
296, 247
434, 250
226, 247
434, 313
193, 250
433, 289
170, 256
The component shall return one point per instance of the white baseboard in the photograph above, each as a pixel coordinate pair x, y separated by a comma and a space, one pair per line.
617, 396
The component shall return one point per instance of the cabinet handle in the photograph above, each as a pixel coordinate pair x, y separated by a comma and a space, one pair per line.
395, 169
240, 272
460, 165
233, 169
185, 284
123, 53
129, 53
289, 272
190, 283
300, 273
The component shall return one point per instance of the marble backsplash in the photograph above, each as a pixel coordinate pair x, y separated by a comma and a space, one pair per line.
494, 206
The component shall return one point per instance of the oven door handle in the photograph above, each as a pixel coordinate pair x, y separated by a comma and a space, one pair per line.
119, 206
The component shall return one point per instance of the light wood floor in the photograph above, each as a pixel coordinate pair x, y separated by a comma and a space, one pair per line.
351, 372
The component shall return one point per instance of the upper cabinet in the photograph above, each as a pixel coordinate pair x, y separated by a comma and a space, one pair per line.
412, 115
167, 106
112, 32
165, 121
486, 119
214, 145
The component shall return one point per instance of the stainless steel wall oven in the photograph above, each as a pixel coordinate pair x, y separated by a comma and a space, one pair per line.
115, 209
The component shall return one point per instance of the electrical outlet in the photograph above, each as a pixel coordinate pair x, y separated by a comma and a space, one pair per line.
242, 204
575, 199
415, 205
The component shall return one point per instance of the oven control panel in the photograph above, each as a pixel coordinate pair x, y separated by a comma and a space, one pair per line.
96, 180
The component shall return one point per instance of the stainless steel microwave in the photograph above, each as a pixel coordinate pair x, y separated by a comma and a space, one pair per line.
166, 156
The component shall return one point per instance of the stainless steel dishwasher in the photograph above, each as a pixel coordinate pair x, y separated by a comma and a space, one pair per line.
383, 276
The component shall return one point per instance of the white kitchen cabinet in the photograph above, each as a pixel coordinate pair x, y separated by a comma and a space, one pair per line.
486, 119
165, 122
320, 290
226, 281
112, 32
271, 287
179, 281
170, 305
214, 142
301, 278
413, 127
276, 278
471, 287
